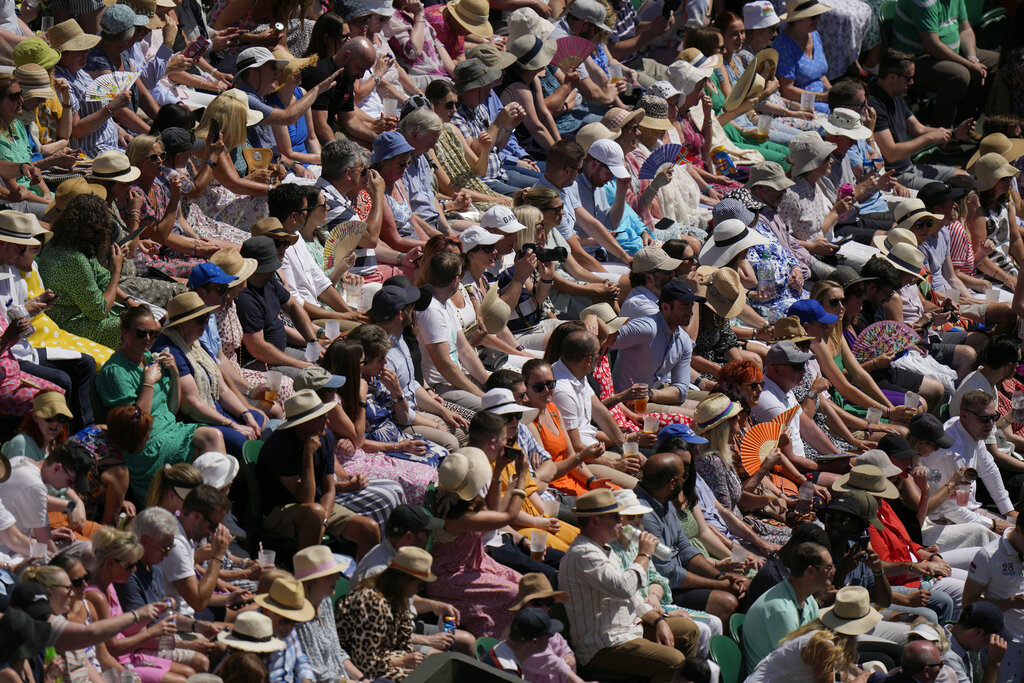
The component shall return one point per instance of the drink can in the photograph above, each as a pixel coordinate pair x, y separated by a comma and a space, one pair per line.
17, 312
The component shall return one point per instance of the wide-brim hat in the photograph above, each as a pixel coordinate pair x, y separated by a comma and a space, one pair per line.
234, 264
185, 307
728, 239
807, 151
293, 66
910, 211
252, 632
881, 460
414, 561
725, 295
852, 614
596, 502
685, 77
68, 36
21, 636
472, 15
492, 56
698, 59
764, 58
272, 228
1010, 149
885, 242
494, 311
770, 174
50, 404
991, 168
592, 132
847, 277
790, 329
533, 52
34, 82
869, 479
252, 117
288, 599
68, 190
525, 22
464, 472
113, 166
535, 586
844, 122
303, 406
803, 9
19, 228
473, 73
750, 83
607, 314
906, 258
503, 402
316, 561
713, 411
617, 118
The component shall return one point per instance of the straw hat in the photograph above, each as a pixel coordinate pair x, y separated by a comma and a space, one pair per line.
252, 117
607, 314
416, 562
50, 404
807, 151
314, 562
868, 478
68, 190
884, 243
852, 613
910, 211
288, 599
713, 411
1011, 149
991, 168
472, 15
906, 258
750, 84
685, 77
655, 112
34, 82
803, 9
535, 586
694, 56
617, 118
533, 52
464, 473
631, 505
272, 228
596, 502
494, 312
232, 262
113, 166
295, 65
302, 407
592, 132
724, 293
184, 307
526, 22
68, 36
728, 239
252, 632
790, 329
767, 61
19, 228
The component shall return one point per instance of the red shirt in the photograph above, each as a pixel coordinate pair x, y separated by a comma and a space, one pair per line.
893, 544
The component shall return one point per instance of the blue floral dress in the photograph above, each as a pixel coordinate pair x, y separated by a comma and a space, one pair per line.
380, 426
779, 261
805, 72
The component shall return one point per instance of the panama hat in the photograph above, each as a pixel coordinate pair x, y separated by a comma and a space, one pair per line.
631, 505
885, 243
750, 84
991, 168
910, 211
19, 228
287, 598
68, 190
50, 404
502, 402
234, 264
1010, 149
606, 313
852, 613
68, 36
303, 406
713, 411
685, 77
790, 329
655, 112
416, 562
663, 89
535, 586
728, 239
596, 502
803, 9
906, 258
113, 166
868, 478
694, 56
533, 52
252, 632
766, 62
316, 561
526, 22
846, 123
725, 295
184, 307
472, 15
252, 117
494, 312
464, 473
617, 118
292, 66
807, 151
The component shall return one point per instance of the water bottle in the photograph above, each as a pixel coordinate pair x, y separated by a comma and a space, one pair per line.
766, 287
16, 313
1018, 406
129, 675
662, 551
934, 479
49, 655
166, 643
926, 583
805, 496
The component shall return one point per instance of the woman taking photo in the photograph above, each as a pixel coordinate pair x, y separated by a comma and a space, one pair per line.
135, 375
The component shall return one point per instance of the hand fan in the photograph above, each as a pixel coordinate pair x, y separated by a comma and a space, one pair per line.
108, 86
342, 240
757, 443
666, 154
886, 336
571, 52
785, 416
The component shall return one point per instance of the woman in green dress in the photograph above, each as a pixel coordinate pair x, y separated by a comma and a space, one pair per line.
150, 381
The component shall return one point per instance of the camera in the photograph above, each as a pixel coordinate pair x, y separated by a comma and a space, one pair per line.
543, 255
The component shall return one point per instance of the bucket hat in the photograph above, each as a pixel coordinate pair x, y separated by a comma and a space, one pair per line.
631, 505
474, 73
218, 469
867, 478
50, 404
990, 168
526, 22
807, 151
491, 56
120, 18
844, 122
263, 251
655, 112
389, 145
34, 50
770, 174
878, 458
725, 295
685, 77
759, 14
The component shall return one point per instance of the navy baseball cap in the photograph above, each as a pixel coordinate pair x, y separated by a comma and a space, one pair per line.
208, 273
390, 300
677, 290
811, 311
927, 427
984, 615
680, 431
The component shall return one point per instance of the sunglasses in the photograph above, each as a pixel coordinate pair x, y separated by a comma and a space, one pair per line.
924, 223
15, 95
63, 419
450, 105
321, 205
547, 603
166, 548
156, 158
837, 300
129, 566
991, 417
489, 248
797, 366
147, 334
81, 581
541, 386
756, 385
560, 208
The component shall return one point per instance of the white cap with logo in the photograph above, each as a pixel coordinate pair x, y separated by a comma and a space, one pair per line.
501, 218
610, 154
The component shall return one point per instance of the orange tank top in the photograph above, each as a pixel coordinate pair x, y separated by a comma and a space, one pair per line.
556, 442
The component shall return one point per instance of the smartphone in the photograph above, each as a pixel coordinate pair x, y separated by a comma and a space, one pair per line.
511, 452
214, 135
138, 231
664, 224
197, 47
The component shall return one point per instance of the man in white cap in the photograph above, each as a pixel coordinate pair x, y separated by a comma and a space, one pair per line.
586, 19
595, 217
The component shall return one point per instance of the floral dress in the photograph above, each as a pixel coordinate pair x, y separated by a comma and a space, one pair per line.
203, 225
154, 208
801, 393
18, 389
221, 204
373, 633
724, 483
603, 375
805, 72
230, 330
803, 209
380, 426
775, 260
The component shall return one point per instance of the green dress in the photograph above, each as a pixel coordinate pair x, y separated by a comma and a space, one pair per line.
771, 151
170, 441
79, 281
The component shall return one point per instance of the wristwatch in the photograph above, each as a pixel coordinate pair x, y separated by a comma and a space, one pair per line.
71, 507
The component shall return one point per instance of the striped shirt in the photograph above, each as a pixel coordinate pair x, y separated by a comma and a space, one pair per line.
289, 665
625, 27
961, 252
472, 122
339, 210
104, 138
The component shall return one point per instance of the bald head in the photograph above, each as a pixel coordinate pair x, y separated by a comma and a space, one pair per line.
660, 469
918, 659
360, 55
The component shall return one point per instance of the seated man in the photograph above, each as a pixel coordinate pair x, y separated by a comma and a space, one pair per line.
296, 473
529, 634
979, 627
600, 224
613, 627
335, 110
650, 270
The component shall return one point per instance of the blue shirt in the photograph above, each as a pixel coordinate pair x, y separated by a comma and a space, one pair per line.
153, 71
661, 357
400, 360
512, 152
936, 251
664, 523
289, 665
598, 203
421, 196
570, 197
858, 154
260, 135
144, 586
211, 338
640, 302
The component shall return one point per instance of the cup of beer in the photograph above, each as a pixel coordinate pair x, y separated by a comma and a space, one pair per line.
538, 543
630, 448
807, 101
274, 386
640, 404
764, 124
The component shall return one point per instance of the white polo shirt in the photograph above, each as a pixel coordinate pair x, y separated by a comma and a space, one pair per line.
572, 396
774, 401
998, 567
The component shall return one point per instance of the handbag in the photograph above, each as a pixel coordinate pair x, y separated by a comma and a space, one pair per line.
493, 359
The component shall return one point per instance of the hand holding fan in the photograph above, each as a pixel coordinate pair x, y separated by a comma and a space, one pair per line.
571, 52
670, 153
342, 240
757, 443
109, 86
884, 337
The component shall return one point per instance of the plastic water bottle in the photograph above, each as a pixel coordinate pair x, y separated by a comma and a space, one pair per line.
16, 313
766, 288
805, 496
926, 583
1018, 406
166, 643
934, 479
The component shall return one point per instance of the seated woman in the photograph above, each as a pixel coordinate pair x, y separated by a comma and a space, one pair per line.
205, 396
134, 375
374, 621
716, 342
416, 46
401, 229
124, 434
803, 67
521, 83
296, 143
44, 428
18, 389
47, 111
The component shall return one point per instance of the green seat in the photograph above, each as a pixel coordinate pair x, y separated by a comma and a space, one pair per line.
886, 15
728, 656
251, 450
483, 644
340, 589
736, 626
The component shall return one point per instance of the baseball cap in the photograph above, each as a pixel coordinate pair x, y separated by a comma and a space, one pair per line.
650, 259
811, 311
500, 217
934, 193
928, 427
786, 352
316, 378
534, 622
590, 11
984, 615
208, 273
474, 236
252, 57
677, 290
610, 154
896, 446
407, 517
263, 250
391, 299
31, 597
177, 140
857, 503
680, 431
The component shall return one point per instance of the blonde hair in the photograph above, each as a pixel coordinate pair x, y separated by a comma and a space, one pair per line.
827, 651
140, 146
109, 543
48, 575
818, 292
540, 197
529, 216
168, 477
718, 441
232, 115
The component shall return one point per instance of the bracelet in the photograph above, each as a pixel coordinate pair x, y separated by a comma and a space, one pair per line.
135, 616
660, 618
402, 256
519, 492
398, 400
147, 385
592, 479
643, 555
547, 282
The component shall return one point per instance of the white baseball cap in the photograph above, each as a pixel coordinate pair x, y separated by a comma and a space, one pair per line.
501, 218
759, 14
474, 236
610, 154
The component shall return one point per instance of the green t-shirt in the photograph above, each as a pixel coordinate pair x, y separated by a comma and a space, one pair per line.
942, 17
